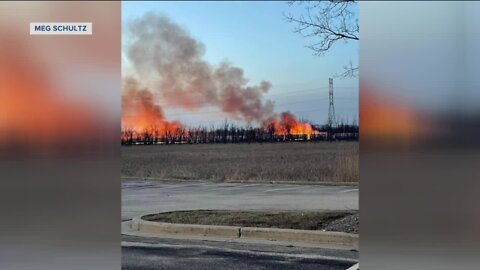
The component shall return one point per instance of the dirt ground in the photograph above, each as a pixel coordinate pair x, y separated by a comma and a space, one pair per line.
293, 161
343, 221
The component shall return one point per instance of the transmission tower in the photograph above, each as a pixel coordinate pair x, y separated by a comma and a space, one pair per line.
332, 122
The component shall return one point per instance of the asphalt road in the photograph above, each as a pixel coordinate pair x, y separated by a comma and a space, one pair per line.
146, 197
164, 253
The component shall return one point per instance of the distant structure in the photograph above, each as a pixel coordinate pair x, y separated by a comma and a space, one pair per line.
332, 122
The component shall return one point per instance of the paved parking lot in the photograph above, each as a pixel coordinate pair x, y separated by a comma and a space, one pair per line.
145, 197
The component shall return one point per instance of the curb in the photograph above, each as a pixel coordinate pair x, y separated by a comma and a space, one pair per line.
310, 237
271, 234
185, 229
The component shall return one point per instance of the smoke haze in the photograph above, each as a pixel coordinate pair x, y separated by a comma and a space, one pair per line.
165, 63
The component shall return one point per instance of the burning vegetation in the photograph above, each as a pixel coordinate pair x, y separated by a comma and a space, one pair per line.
164, 63
169, 133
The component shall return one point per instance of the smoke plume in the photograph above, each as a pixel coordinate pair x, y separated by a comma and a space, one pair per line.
165, 63
139, 110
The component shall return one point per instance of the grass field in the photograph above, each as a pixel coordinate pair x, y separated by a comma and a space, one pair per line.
299, 161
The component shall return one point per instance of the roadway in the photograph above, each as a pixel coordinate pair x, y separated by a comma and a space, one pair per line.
149, 253
147, 197
157, 252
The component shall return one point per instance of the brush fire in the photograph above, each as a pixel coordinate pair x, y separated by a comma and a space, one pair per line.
163, 64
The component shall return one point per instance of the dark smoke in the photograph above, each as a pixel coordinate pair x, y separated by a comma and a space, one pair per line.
168, 61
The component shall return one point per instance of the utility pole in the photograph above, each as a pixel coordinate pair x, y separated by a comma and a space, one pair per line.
332, 122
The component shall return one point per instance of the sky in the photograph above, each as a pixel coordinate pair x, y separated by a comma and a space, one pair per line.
255, 37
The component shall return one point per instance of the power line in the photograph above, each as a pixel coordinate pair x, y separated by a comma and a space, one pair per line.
289, 93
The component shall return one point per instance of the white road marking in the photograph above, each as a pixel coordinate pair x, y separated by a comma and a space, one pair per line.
289, 188
349, 190
245, 186
355, 267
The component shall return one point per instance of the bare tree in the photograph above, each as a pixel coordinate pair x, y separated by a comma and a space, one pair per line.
329, 21
230, 133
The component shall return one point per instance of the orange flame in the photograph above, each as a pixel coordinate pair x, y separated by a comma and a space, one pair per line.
286, 124
140, 113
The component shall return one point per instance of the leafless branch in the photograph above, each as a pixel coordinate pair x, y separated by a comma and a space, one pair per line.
349, 71
328, 21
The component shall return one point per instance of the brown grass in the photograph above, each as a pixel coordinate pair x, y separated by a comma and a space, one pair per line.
301, 220
301, 161
348, 163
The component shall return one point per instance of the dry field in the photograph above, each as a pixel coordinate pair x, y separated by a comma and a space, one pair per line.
343, 221
299, 161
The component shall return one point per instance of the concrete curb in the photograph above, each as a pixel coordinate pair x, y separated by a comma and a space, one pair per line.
140, 224
311, 237
271, 234
353, 184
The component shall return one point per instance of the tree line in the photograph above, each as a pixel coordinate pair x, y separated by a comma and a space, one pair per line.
233, 134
